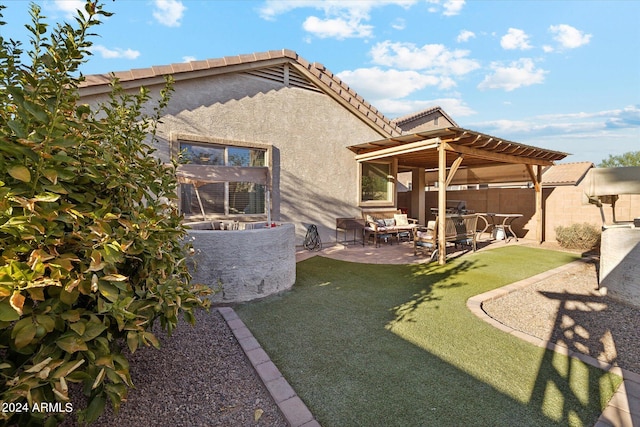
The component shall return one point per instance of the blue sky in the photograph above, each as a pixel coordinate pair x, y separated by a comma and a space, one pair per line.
563, 75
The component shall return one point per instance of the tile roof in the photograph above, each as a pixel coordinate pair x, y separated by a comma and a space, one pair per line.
565, 173
328, 82
419, 114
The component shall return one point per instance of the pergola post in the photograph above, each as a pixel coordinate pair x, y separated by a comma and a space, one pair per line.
539, 207
536, 177
442, 203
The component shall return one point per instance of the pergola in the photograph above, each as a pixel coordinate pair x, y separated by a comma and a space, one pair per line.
447, 150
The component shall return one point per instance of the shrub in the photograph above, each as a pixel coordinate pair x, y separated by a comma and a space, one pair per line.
90, 239
578, 236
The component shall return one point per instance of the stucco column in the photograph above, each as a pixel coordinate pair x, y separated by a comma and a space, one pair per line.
418, 204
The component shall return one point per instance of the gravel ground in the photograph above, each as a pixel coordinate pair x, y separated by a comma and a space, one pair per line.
199, 377
568, 309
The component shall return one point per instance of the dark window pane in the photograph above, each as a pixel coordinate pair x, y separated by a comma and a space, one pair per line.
375, 181
211, 195
202, 154
246, 197
245, 157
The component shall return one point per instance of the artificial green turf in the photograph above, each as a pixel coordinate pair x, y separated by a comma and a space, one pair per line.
395, 345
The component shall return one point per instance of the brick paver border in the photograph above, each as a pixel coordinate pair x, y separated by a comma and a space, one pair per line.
292, 407
624, 407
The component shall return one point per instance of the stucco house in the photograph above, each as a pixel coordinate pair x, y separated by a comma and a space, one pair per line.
281, 135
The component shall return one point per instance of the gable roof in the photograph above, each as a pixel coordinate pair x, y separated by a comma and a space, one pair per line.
270, 65
402, 121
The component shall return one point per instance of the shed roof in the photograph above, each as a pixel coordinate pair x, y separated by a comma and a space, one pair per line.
565, 174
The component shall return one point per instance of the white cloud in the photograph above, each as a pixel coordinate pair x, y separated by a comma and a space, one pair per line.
337, 28
568, 36
581, 133
376, 84
513, 76
401, 107
515, 39
547, 49
432, 57
342, 18
465, 35
114, 53
70, 7
398, 24
273, 8
169, 12
451, 7
188, 58
628, 117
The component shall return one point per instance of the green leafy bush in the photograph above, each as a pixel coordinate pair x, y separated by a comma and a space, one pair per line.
91, 249
578, 236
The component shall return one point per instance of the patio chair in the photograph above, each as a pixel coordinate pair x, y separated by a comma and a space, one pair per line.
424, 239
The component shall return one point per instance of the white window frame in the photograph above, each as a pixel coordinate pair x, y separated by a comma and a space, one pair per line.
390, 201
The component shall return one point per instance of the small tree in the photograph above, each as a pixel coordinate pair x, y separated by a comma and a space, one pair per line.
91, 250
631, 158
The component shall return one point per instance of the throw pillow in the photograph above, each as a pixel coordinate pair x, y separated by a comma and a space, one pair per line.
389, 222
401, 219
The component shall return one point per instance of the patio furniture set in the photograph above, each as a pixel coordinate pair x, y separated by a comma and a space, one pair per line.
393, 225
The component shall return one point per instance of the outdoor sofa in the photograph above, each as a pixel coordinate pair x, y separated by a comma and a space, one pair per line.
387, 225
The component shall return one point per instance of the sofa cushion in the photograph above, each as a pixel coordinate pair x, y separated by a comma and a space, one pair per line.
401, 220
425, 234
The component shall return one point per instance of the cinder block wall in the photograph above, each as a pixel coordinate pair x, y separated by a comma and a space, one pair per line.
563, 206
496, 200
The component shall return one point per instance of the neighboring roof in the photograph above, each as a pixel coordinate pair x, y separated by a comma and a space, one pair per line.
262, 64
400, 121
565, 174
420, 149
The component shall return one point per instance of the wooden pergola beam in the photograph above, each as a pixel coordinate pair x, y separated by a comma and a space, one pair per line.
398, 150
493, 156
454, 169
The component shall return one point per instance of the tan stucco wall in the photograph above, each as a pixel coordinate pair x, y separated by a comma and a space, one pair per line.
314, 174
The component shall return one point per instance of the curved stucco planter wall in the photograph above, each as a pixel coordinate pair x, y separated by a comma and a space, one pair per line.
242, 265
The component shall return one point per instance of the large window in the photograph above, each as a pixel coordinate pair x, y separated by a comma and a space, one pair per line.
223, 198
377, 183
